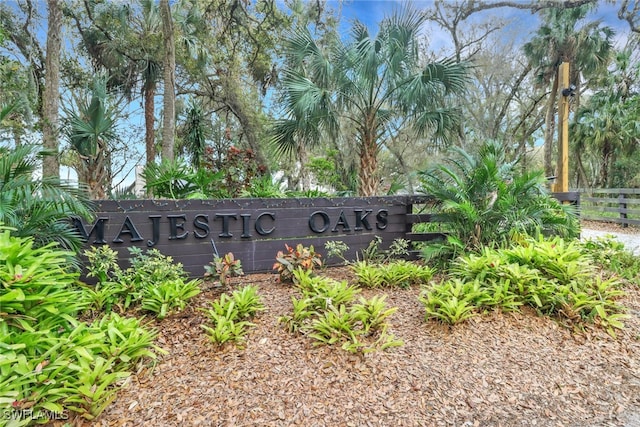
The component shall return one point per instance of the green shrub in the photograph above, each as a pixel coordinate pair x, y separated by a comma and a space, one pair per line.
105, 296
372, 313
152, 267
168, 296
372, 254
39, 208
327, 312
263, 187
555, 258
49, 361
171, 179
229, 173
322, 291
36, 283
226, 329
337, 249
368, 275
399, 273
153, 281
552, 276
610, 254
126, 339
482, 200
230, 314
247, 302
111, 290
333, 325
451, 301
102, 263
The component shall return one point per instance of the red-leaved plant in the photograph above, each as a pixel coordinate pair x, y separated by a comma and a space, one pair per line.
296, 258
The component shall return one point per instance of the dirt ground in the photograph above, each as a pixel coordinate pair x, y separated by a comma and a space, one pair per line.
495, 370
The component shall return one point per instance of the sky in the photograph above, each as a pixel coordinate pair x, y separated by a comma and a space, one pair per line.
521, 23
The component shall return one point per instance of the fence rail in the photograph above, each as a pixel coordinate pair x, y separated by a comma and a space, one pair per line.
618, 205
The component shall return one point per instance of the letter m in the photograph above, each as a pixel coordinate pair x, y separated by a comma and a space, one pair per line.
97, 228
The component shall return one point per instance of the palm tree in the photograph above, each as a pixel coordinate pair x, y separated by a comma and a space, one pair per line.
607, 126
587, 50
368, 84
90, 129
169, 78
38, 208
129, 47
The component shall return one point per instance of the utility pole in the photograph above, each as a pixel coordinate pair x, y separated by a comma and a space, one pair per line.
562, 185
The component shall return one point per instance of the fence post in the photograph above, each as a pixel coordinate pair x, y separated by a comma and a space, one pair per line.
408, 224
622, 208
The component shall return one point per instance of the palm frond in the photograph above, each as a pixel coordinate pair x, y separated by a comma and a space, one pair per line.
38, 207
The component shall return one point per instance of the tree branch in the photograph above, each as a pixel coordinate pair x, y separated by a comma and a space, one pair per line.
630, 15
534, 6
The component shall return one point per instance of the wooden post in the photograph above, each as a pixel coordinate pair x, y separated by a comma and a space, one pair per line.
563, 130
622, 208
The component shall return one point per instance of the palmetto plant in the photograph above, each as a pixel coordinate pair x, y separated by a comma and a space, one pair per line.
170, 178
484, 199
38, 207
90, 129
369, 83
605, 127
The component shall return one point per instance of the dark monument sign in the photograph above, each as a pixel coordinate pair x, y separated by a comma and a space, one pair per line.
253, 229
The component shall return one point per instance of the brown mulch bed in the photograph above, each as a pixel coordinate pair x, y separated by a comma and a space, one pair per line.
610, 227
495, 370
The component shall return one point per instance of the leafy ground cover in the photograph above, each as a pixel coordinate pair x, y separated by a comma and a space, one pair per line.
498, 369
530, 334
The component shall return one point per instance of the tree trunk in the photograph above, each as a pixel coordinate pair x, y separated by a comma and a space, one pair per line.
149, 121
607, 153
582, 175
304, 178
549, 129
368, 166
50, 131
95, 173
169, 125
